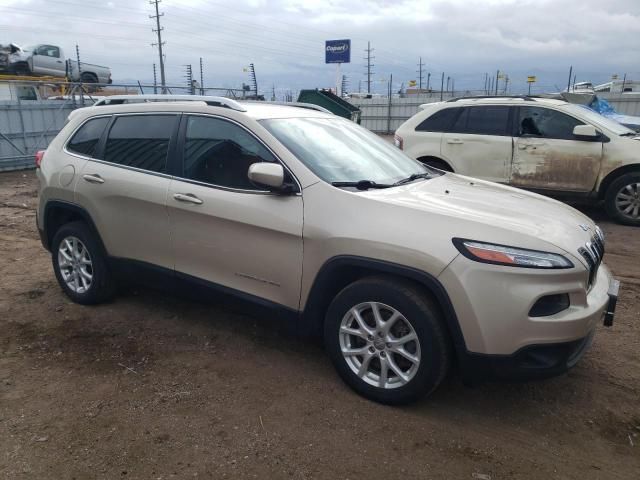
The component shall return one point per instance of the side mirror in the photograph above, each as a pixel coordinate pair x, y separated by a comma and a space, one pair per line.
270, 175
586, 131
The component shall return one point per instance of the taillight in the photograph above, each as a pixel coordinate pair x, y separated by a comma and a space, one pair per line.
398, 142
39, 157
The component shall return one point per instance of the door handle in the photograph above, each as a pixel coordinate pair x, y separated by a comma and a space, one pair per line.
59, 61
93, 178
187, 198
455, 141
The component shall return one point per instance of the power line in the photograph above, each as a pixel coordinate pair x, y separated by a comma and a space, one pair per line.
160, 43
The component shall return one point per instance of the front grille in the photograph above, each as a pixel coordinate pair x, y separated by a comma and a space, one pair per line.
593, 252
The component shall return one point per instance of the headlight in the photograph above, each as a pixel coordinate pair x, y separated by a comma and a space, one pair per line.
511, 256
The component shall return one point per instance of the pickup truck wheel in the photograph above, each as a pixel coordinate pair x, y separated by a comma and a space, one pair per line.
80, 266
622, 199
89, 78
387, 341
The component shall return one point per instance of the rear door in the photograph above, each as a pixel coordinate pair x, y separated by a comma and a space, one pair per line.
224, 229
548, 156
124, 188
424, 141
479, 142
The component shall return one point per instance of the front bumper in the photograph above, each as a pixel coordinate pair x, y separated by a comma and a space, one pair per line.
492, 304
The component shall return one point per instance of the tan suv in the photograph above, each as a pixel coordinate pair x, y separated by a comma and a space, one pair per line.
406, 270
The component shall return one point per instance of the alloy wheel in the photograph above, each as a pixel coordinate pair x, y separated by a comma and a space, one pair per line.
628, 201
74, 262
379, 345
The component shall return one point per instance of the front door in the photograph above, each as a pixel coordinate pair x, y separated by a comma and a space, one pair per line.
47, 60
479, 142
548, 156
224, 229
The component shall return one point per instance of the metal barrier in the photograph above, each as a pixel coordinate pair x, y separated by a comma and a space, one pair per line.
27, 126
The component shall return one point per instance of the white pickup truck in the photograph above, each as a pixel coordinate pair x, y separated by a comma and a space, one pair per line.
49, 60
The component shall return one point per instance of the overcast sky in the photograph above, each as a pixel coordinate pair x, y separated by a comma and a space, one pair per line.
285, 38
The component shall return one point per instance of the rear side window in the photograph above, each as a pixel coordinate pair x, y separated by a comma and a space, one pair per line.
439, 121
485, 120
85, 141
546, 123
140, 141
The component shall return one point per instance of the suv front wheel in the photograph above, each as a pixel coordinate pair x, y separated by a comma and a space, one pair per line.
387, 341
622, 199
80, 266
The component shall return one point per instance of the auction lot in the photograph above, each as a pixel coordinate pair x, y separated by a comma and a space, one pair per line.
155, 386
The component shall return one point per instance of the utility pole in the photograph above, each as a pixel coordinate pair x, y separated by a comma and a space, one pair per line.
486, 78
420, 65
201, 78
497, 81
254, 80
624, 81
569, 82
441, 86
428, 80
345, 84
189, 77
155, 80
160, 43
368, 58
448, 80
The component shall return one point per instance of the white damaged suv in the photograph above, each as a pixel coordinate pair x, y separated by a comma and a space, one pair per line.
405, 270
549, 146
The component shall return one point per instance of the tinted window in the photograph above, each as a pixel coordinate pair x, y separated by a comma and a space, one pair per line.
439, 121
220, 153
486, 120
85, 141
140, 141
546, 123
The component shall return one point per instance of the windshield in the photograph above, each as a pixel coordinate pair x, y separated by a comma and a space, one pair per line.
338, 150
594, 117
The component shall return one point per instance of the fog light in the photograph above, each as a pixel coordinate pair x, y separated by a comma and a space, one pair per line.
550, 305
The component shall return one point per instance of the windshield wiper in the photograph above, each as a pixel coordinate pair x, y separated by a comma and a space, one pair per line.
413, 177
362, 184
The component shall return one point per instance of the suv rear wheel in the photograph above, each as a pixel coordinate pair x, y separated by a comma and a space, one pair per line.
387, 341
622, 199
80, 266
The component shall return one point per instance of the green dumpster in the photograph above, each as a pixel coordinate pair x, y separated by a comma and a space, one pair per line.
331, 102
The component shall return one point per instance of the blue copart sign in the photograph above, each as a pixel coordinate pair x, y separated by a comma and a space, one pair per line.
337, 51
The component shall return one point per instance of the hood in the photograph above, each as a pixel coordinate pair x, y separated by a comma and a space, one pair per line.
474, 203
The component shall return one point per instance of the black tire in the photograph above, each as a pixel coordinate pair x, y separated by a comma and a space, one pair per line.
102, 286
616, 187
22, 69
435, 163
89, 78
419, 311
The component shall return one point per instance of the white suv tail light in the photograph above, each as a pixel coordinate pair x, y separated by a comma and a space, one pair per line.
39, 157
398, 142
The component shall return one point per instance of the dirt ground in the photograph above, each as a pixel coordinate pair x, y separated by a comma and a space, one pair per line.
152, 386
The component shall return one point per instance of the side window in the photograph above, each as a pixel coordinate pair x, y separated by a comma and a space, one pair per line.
26, 93
140, 141
439, 121
460, 125
85, 141
489, 120
49, 51
546, 123
219, 152
485, 120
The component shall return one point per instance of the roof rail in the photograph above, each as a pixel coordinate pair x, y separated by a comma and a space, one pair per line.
310, 106
209, 100
529, 98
